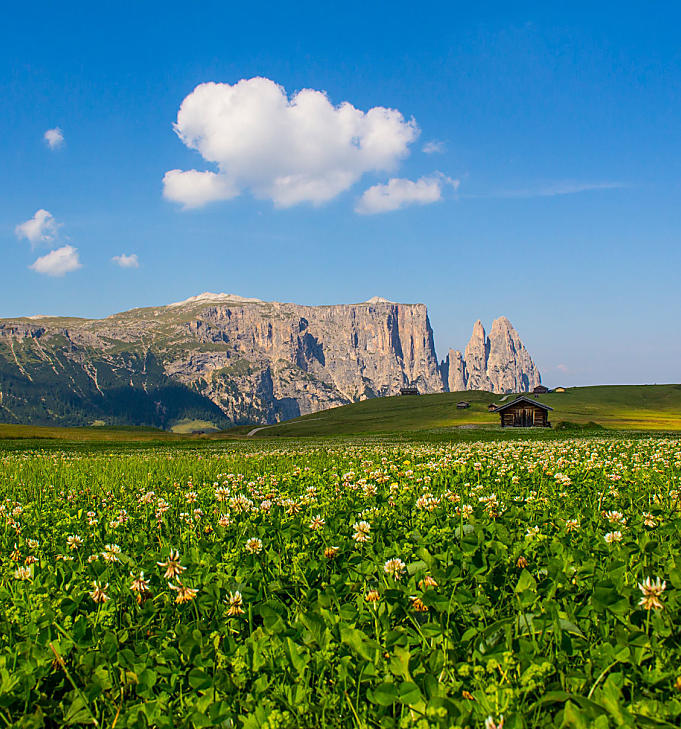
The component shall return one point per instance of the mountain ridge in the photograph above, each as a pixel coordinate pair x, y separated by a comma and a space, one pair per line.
229, 359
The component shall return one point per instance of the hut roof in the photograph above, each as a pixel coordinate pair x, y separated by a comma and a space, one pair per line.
522, 398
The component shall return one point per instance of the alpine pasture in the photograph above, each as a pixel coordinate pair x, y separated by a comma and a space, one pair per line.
354, 583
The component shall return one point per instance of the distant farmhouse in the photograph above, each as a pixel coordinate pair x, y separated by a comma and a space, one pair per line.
540, 390
409, 391
463, 405
523, 412
559, 389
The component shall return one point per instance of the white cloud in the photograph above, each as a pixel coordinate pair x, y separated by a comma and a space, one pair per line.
289, 150
54, 138
399, 193
434, 147
193, 188
561, 188
58, 262
41, 228
131, 261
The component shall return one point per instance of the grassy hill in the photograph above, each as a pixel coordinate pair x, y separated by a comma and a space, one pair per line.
621, 407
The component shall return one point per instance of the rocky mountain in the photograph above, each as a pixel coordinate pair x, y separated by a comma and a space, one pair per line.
228, 359
497, 363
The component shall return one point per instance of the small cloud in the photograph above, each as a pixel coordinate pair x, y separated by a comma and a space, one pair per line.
562, 368
58, 262
561, 188
41, 228
434, 147
54, 138
124, 261
399, 193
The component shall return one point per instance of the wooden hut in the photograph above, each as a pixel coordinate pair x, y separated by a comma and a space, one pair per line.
409, 391
523, 412
463, 405
558, 389
540, 390
492, 407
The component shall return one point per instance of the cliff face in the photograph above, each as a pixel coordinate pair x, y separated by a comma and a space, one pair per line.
497, 363
240, 360
225, 359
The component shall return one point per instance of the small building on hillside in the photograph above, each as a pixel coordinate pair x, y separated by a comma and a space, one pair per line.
540, 390
559, 389
463, 405
492, 407
523, 412
409, 390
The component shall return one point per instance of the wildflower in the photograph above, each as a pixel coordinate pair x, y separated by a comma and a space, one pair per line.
139, 584
615, 517
331, 552
648, 520
521, 563
236, 604
111, 552
532, 532
172, 564
22, 573
317, 522
30, 559
572, 525
419, 605
74, 541
427, 582
184, 593
491, 724
15, 556
254, 545
92, 558
98, 593
33, 543
394, 567
372, 596
224, 520
221, 493
362, 530
652, 592
611, 537
467, 695
191, 497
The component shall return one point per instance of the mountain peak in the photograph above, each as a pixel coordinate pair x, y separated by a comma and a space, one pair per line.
208, 297
378, 300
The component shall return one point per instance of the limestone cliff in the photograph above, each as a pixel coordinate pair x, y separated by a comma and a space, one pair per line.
497, 363
237, 359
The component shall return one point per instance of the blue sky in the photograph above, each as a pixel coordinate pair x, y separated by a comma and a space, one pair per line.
551, 192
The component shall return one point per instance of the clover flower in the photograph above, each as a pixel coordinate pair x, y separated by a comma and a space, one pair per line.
648, 519
73, 541
98, 593
418, 604
572, 525
254, 545
236, 604
362, 531
612, 537
172, 565
372, 596
427, 582
652, 591
394, 567
139, 584
111, 552
22, 573
331, 552
317, 522
490, 723
184, 593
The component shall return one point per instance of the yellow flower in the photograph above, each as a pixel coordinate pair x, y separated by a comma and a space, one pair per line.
331, 552
372, 596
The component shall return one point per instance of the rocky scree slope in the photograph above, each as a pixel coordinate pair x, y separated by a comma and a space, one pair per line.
220, 358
